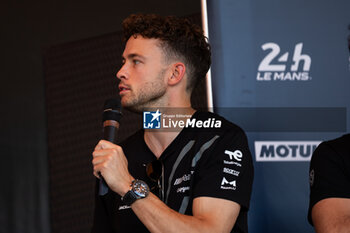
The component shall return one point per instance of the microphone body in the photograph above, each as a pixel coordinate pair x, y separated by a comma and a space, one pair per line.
110, 130
111, 117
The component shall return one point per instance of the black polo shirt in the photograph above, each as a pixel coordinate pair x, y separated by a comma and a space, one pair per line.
199, 162
330, 171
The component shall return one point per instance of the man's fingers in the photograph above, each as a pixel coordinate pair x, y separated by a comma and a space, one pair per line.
105, 157
97, 170
97, 160
104, 147
105, 153
103, 144
97, 174
100, 161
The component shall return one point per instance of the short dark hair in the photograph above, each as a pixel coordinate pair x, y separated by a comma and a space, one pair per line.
180, 39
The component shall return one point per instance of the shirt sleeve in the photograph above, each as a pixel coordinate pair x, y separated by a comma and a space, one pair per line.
226, 171
327, 176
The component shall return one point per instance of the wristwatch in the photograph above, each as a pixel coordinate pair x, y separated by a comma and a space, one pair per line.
139, 189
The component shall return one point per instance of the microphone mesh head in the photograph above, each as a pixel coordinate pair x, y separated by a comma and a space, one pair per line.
112, 110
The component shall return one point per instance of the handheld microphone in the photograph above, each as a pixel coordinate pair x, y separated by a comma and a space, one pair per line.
110, 117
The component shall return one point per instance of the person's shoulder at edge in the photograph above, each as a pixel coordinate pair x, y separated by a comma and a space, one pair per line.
340, 145
340, 142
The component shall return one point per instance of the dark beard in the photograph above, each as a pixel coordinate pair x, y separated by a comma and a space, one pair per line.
147, 99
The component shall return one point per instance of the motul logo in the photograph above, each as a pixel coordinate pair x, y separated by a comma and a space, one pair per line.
284, 151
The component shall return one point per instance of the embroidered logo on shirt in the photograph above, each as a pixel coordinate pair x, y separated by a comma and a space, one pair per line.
225, 184
237, 155
182, 179
232, 162
183, 189
312, 177
124, 207
231, 171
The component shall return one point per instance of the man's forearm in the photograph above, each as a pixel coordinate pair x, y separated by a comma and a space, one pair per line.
341, 225
332, 215
158, 217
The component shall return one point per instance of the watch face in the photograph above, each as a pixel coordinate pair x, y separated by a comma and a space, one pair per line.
140, 188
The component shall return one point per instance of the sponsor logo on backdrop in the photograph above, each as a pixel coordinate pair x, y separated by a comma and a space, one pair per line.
284, 151
274, 66
158, 120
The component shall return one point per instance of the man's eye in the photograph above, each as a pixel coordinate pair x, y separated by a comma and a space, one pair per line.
136, 62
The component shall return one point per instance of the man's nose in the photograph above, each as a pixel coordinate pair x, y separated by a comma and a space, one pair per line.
122, 73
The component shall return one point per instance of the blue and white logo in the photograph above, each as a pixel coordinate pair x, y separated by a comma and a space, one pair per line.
151, 120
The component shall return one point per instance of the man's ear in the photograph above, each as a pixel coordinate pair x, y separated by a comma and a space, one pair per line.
178, 72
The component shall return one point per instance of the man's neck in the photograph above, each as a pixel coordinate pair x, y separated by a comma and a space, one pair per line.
158, 141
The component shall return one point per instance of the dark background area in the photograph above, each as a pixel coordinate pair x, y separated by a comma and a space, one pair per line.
28, 30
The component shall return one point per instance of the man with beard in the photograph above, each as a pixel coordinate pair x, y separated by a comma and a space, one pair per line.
197, 179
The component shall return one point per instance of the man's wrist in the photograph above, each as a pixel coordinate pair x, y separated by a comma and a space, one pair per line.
127, 187
139, 189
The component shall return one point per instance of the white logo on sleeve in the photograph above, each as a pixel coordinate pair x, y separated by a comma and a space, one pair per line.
237, 154
225, 184
124, 207
231, 171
